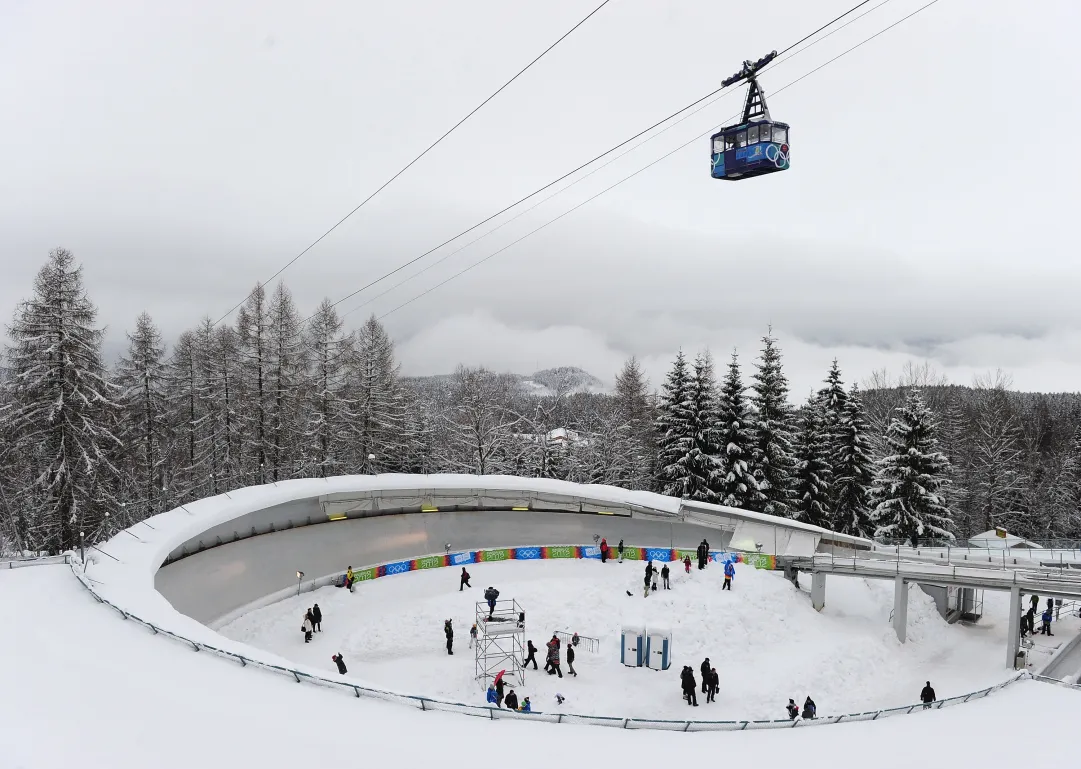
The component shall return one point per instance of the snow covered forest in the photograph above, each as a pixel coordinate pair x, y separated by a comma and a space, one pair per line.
90, 447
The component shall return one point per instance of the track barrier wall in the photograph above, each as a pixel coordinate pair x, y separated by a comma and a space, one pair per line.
757, 560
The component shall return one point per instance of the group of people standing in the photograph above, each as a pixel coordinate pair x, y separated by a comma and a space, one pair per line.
495, 696
313, 623
1028, 620
711, 683
810, 710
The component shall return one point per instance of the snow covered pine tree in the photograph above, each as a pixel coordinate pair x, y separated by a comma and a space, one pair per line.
906, 498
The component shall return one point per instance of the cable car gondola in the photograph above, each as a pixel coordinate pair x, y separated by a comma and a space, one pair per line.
756, 145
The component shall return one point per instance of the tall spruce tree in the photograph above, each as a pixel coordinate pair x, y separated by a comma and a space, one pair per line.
907, 492
853, 470
675, 430
635, 409
771, 459
813, 474
832, 399
329, 412
62, 409
141, 378
379, 408
700, 464
733, 480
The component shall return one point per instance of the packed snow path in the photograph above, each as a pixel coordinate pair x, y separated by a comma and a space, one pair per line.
85, 688
764, 638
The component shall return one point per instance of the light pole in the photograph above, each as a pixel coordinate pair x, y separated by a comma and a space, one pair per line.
82, 550
371, 462
300, 576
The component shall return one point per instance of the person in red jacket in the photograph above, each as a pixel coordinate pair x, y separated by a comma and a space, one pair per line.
604, 550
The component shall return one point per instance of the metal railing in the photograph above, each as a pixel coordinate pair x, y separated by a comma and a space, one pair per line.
44, 560
486, 711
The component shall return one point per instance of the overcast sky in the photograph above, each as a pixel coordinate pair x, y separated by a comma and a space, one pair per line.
184, 151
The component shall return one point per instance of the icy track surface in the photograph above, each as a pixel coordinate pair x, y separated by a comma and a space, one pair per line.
82, 687
764, 638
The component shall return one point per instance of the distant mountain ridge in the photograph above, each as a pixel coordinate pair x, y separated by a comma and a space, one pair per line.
550, 381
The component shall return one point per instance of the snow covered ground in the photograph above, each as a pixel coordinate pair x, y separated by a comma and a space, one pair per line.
764, 638
82, 687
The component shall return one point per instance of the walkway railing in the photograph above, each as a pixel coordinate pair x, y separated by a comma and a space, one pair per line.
484, 711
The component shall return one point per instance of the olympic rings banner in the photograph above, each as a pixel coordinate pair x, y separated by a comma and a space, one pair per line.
546, 552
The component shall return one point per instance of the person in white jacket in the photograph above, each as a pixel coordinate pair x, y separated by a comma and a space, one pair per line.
307, 627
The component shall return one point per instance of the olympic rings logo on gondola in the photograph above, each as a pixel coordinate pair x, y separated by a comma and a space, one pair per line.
780, 154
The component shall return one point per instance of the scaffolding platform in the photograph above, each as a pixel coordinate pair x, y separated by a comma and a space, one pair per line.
500, 642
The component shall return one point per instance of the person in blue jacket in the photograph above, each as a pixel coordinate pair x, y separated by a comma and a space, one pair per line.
1045, 629
729, 572
525, 706
493, 695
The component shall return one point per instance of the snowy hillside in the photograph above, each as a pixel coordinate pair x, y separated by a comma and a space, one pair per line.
764, 638
567, 380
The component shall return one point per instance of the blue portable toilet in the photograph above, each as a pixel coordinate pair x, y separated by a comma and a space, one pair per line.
659, 648
633, 647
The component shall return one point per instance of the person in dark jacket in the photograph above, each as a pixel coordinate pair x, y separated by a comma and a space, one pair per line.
339, 660
619, 549
1024, 625
664, 577
464, 583
490, 595
570, 661
703, 554
499, 684
317, 619
511, 701
1045, 619
927, 696
1035, 601
705, 668
449, 631
689, 686
532, 656
810, 710
793, 709
714, 685
1030, 619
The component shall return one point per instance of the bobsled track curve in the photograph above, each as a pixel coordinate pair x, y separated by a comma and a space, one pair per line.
183, 572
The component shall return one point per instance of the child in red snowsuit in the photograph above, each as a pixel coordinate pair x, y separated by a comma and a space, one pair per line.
687, 564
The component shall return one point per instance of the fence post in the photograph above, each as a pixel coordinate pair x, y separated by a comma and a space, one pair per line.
357, 691
295, 675
422, 704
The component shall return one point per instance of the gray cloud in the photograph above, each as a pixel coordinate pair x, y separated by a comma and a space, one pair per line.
183, 157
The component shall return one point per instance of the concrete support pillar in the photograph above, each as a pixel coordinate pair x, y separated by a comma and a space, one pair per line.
818, 590
900, 607
1013, 630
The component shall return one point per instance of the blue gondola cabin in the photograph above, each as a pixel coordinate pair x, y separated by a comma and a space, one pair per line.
750, 149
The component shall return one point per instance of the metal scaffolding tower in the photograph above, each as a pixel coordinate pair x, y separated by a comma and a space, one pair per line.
500, 642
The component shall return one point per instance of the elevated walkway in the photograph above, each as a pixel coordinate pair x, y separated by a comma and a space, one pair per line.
1046, 583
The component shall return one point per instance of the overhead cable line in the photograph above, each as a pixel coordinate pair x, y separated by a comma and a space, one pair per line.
647, 167
405, 168
607, 163
570, 173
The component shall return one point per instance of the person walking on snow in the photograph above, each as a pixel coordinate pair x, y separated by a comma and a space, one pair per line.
604, 550
574, 639
532, 656
570, 661
927, 696
729, 572
306, 626
449, 631
472, 635
464, 581
619, 549
703, 554
317, 619
664, 577
687, 563
809, 708
793, 709
689, 686
350, 577
714, 685
339, 660
553, 661
499, 684
705, 668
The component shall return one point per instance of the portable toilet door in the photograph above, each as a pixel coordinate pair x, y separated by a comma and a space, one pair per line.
659, 649
633, 647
